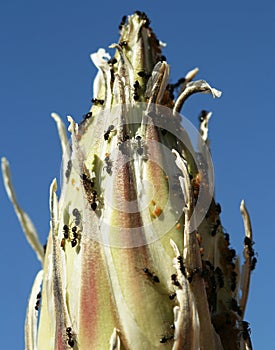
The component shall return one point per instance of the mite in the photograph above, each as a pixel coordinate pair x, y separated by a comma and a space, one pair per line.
153, 277
108, 163
107, 133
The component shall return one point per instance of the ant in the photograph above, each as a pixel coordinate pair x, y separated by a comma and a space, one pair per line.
107, 133
143, 74
70, 337
136, 87
139, 149
233, 280
108, 163
153, 277
166, 339
122, 23
76, 214
253, 263
202, 115
75, 235
96, 101
215, 228
175, 280
38, 301
69, 169
181, 264
245, 330
66, 231
172, 296
94, 198
112, 61
123, 44
88, 115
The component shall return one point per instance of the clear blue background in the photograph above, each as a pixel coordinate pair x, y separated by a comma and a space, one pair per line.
45, 67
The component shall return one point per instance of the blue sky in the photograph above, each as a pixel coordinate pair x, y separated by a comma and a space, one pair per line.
45, 67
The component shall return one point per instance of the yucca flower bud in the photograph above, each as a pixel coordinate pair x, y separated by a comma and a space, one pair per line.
137, 257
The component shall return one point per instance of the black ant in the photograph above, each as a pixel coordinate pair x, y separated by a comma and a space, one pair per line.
123, 44
136, 88
122, 23
112, 61
202, 115
253, 263
76, 214
88, 115
109, 163
166, 339
74, 240
69, 169
66, 231
107, 133
96, 101
181, 264
233, 280
38, 301
70, 337
139, 149
172, 296
245, 330
143, 74
153, 277
94, 198
175, 280
122, 146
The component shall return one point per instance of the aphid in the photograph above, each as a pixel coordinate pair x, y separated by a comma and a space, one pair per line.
172, 296
94, 198
109, 163
153, 277
69, 169
166, 339
96, 101
175, 280
122, 23
66, 231
140, 148
253, 263
107, 133
70, 337
157, 212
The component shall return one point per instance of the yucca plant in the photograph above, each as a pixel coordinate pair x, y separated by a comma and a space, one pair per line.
137, 257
